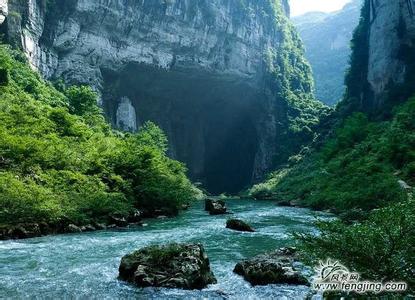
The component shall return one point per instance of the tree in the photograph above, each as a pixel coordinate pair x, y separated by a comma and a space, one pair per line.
82, 100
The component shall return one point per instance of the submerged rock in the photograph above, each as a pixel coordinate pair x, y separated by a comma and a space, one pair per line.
215, 207
272, 268
184, 266
239, 225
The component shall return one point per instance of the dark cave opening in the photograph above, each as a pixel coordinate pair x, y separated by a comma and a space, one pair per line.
209, 118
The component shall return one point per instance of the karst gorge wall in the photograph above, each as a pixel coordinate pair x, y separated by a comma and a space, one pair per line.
215, 75
383, 71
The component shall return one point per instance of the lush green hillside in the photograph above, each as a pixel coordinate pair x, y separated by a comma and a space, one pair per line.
61, 162
358, 168
363, 171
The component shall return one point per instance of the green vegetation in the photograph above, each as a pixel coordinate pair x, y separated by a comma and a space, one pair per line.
381, 248
362, 171
357, 86
162, 255
291, 79
357, 172
60, 160
358, 168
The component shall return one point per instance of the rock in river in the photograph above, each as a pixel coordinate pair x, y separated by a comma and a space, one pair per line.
184, 266
272, 268
239, 225
118, 220
71, 228
215, 207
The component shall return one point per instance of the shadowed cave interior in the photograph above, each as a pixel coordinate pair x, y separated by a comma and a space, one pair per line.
211, 120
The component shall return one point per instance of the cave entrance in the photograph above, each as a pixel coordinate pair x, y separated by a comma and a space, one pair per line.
211, 120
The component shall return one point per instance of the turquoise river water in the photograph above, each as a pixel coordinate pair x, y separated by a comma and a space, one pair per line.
85, 266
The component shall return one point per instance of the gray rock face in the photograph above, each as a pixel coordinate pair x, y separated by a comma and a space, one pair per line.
273, 268
4, 9
326, 37
215, 207
239, 225
183, 266
387, 32
126, 117
71, 228
201, 70
392, 27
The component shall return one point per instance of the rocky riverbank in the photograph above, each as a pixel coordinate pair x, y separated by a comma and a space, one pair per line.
37, 229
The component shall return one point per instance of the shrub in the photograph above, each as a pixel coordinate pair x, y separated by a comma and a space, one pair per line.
380, 248
82, 100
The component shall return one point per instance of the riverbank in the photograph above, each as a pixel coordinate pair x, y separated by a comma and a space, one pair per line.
38, 229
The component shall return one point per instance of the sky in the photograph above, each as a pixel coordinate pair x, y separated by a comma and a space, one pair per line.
299, 7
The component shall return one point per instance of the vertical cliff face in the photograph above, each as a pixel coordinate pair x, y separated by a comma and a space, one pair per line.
225, 79
4, 9
392, 35
382, 73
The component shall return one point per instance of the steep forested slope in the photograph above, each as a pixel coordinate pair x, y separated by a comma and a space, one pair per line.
366, 166
61, 163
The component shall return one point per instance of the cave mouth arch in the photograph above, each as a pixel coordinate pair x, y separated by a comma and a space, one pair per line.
211, 119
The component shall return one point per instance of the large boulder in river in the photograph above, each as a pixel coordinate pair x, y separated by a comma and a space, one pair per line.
215, 207
272, 268
184, 266
239, 225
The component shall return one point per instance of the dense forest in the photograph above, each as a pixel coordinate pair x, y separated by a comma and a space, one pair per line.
61, 163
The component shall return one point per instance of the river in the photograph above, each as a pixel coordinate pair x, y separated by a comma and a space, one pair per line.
85, 266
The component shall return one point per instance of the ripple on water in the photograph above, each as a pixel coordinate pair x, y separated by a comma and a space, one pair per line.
83, 266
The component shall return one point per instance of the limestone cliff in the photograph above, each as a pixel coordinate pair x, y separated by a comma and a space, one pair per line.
225, 79
3, 11
382, 72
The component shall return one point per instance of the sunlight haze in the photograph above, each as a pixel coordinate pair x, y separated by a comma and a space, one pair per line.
299, 7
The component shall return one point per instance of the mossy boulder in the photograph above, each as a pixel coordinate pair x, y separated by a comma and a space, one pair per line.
184, 266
